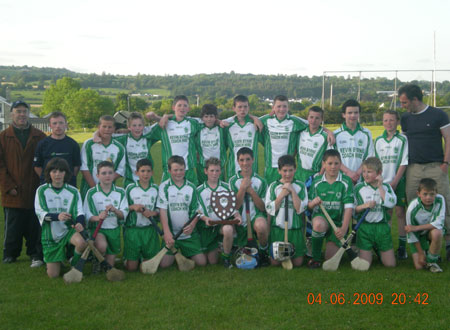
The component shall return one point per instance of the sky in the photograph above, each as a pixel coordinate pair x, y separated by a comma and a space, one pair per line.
170, 37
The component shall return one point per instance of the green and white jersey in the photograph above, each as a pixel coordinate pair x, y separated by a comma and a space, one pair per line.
237, 137
204, 194
178, 138
181, 204
258, 184
97, 200
135, 149
417, 214
335, 197
354, 146
94, 153
53, 200
211, 143
138, 195
393, 153
294, 219
279, 137
364, 193
311, 148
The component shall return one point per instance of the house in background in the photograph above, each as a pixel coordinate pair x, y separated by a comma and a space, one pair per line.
5, 117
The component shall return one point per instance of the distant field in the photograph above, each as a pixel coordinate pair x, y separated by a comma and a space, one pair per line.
29, 96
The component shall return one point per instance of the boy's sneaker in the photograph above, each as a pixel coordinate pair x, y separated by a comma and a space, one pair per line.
313, 264
227, 263
434, 267
96, 269
9, 260
35, 263
401, 253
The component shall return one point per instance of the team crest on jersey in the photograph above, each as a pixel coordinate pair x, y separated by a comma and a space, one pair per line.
316, 144
396, 150
152, 199
249, 134
286, 128
186, 198
65, 201
338, 195
115, 203
360, 142
186, 130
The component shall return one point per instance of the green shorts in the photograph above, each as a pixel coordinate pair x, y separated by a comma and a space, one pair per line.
189, 247
271, 175
303, 175
331, 237
209, 237
424, 243
295, 236
140, 242
112, 239
240, 239
374, 235
56, 252
400, 192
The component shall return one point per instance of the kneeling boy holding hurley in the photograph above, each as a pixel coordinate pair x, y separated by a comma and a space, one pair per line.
334, 190
177, 203
209, 236
275, 201
140, 238
424, 223
57, 204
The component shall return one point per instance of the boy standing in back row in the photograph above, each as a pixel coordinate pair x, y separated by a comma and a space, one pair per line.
353, 141
58, 144
93, 153
178, 138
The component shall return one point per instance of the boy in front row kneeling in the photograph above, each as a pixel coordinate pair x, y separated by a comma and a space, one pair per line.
334, 190
424, 225
297, 195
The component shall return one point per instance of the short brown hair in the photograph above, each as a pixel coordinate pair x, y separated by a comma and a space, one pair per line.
57, 164
175, 160
56, 114
392, 112
427, 184
212, 161
133, 116
106, 118
374, 164
105, 163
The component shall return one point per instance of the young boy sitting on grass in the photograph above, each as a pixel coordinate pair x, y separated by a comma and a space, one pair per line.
334, 190
141, 241
177, 203
108, 203
59, 209
375, 232
424, 226
276, 207
210, 235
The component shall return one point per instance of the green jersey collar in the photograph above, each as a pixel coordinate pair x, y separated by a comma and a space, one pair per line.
385, 135
358, 128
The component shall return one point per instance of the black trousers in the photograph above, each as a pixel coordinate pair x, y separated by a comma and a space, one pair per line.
19, 224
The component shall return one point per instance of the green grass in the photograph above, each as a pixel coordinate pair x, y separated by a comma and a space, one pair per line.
212, 297
31, 96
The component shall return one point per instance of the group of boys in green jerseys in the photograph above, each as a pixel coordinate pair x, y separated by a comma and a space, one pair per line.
191, 153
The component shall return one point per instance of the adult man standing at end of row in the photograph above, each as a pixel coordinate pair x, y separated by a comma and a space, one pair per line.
18, 184
425, 126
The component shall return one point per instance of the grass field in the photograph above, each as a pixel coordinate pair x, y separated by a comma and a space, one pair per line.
215, 298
